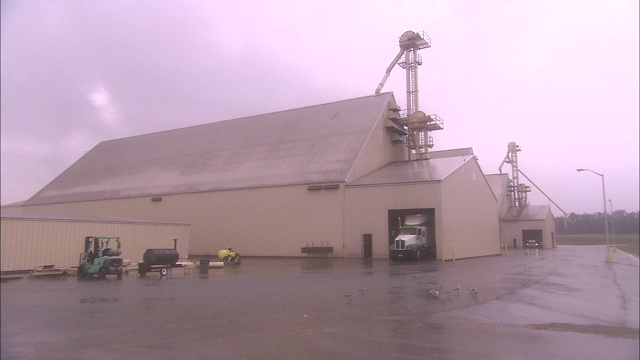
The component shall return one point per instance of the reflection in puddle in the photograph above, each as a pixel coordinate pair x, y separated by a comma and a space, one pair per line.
318, 264
102, 300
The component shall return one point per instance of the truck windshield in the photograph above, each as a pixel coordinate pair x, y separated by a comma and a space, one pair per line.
408, 231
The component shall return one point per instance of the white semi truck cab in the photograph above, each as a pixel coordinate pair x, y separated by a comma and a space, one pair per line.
412, 241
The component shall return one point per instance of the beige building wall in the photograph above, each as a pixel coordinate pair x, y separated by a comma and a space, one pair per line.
379, 151
469, 215
366, 212
279, 221
27, 243
275, 221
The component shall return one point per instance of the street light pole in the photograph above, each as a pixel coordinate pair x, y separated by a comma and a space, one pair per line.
606, 220
613, 231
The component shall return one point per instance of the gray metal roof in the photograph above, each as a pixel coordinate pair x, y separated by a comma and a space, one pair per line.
440, 165
526, 213
307, 145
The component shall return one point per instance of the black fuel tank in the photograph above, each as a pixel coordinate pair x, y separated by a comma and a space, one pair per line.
161, 256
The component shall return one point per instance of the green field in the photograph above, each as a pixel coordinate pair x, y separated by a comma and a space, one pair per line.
627, 243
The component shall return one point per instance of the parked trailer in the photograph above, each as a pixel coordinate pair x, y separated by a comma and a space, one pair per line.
159, 260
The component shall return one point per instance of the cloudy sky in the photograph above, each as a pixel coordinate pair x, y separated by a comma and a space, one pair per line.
560, 78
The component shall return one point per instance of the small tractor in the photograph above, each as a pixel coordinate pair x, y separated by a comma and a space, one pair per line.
229, 256
100, 259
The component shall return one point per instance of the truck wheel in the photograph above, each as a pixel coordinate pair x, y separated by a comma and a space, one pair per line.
102, 273
163, 272
82, 272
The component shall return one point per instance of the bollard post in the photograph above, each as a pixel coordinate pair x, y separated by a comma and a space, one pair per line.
442, 252
453, 252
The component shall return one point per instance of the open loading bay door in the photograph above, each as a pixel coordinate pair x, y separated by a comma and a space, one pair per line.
532, 239
412, 234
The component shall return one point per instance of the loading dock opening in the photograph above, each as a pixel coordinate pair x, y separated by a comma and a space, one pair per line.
532, 238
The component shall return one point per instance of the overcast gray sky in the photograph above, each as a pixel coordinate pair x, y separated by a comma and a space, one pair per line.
560, 78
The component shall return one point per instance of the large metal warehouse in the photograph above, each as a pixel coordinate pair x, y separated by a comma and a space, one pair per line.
334, 175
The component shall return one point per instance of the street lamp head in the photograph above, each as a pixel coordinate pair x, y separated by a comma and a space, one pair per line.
589, 170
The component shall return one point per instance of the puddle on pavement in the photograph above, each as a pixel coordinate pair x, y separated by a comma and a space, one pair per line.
595, 329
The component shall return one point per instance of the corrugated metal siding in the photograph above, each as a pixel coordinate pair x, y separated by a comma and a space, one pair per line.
531, 212
278, 221
469, 214
266, 222
366, 212
377, 152
274, 221
27, 243
498, 184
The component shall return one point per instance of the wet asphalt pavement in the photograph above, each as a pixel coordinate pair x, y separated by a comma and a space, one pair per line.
565, 303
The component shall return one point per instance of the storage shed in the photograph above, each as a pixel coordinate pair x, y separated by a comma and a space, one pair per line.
530, 223
28, 241
521, 223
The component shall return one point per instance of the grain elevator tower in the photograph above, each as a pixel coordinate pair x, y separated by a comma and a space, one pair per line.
417, 123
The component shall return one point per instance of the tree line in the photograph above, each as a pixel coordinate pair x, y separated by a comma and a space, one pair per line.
620, 222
